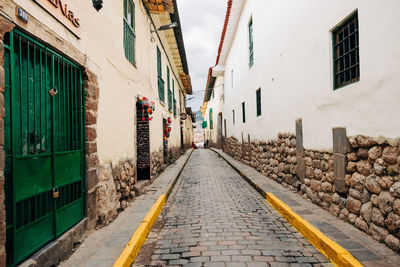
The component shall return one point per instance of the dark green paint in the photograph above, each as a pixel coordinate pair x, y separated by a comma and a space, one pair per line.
44, 144
129, 31
160, 81
169, 91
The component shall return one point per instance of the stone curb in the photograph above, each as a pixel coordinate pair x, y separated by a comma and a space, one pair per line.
131, 250
330, 249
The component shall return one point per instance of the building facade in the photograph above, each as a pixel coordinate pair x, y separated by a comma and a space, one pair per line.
91, 104
212, 111
309, 101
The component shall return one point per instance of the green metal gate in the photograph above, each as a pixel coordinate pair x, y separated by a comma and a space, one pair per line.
44, 145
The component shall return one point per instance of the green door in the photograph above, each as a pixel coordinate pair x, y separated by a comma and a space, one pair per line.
44, 145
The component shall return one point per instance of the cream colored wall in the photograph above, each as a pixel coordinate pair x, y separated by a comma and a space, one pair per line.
216, 103
188, 137
294, 69
119, 82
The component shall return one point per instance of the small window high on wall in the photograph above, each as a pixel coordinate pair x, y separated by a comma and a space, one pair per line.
346, 59
251, 52
258, 101
243, 112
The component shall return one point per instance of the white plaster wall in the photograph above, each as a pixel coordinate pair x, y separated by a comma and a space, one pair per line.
293, 66
119, 82
216, 103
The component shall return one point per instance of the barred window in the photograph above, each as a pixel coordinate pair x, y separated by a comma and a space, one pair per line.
251, 53
258, 101
346, 53
243, 112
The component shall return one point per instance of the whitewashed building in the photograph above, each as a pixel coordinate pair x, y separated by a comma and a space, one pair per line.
212, 110
331, 67
311, 100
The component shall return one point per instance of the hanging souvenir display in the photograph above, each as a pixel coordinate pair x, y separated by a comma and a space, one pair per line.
146, 106
167, 131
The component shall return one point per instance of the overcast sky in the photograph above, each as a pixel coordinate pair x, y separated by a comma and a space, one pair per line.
202, 22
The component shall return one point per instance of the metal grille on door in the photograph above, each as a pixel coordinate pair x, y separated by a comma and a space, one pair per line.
44, 145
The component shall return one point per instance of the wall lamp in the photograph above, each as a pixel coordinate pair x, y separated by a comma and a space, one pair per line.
165, 27
97, 4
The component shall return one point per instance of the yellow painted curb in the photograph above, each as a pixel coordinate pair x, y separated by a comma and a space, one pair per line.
132, 249
338, 255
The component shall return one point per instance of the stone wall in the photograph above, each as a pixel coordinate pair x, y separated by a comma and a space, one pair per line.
373, 201
92, 159
157, 160
174, 153
115, 188
124, 175
319, 178
107, 203
5, 26
156, 163
370, 199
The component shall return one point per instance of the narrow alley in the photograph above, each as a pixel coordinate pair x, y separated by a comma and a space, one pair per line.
199, 133
213, 217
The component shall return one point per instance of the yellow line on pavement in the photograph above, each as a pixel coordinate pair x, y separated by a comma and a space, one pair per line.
337, 254
132, 249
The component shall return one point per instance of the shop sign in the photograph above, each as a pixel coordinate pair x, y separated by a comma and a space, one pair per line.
60, 10
22, 14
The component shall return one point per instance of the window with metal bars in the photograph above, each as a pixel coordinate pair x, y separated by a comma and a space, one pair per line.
258, 101
346, 58
243, 112
129, 31
233, 116
251, 52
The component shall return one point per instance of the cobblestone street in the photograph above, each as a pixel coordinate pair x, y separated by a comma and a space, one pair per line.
214, 218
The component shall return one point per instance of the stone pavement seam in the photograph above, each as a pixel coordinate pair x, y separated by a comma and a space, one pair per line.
131, 250
324, 244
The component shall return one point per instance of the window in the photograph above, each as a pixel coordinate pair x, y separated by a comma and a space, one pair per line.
223, 93
258, 101
346, 59
233, 116
129, 31
211, 118
213, 93
169, 91
243, 112
251, 54
160, 81
225, 127
232, 79
173, 94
